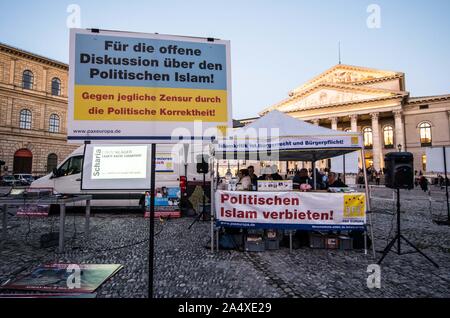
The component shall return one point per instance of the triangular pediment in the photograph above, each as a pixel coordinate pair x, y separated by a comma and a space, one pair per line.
323, 95
346, 74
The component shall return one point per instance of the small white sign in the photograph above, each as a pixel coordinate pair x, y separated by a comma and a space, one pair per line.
126, 162
269, 185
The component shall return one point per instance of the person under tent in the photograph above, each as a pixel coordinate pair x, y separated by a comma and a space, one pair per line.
334, 181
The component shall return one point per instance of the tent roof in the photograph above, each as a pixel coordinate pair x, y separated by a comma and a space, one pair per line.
289, 126
289, 129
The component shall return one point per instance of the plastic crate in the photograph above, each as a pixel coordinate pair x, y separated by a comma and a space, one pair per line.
316, 240
255, 246
272, 244
345, 243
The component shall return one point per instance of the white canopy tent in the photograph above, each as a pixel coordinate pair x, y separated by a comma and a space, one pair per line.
280, 137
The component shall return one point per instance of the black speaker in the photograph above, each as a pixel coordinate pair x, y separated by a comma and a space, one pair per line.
399, 172
202, 166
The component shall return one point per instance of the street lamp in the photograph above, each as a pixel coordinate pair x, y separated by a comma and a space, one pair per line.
399, 147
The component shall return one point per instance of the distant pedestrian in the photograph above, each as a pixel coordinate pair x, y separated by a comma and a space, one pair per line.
423, 182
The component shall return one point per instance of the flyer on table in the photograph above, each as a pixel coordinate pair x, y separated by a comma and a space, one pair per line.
147, 87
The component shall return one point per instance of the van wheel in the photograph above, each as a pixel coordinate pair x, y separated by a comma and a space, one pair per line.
54, 209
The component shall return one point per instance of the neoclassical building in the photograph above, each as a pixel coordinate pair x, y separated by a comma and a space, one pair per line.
375, 103
33, 106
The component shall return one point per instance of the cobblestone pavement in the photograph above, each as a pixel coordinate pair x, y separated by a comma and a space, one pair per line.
184, 267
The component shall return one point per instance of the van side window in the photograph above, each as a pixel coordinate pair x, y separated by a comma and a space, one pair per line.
71, 166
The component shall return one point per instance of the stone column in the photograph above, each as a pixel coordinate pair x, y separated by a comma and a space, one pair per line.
376, 148
354, 122
399, 130
315, 122
334, 123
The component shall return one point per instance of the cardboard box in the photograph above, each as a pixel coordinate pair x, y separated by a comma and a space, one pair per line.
332, 242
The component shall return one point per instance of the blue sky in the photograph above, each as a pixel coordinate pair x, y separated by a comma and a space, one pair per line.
275, 45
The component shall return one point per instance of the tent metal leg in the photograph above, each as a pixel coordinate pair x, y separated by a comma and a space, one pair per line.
212, 235
368, 203
365, 242
290, 242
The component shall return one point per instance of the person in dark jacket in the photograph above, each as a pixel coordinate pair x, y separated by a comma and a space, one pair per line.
301, 177
423, 182
275, 174
334, 181
320, 185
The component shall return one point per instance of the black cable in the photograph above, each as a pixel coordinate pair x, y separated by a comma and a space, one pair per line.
124, 246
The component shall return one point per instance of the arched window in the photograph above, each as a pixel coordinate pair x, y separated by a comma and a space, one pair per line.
425, 133
367, 134
52, 162
25, 119
27, 79
54, 123
56, 86
388, 135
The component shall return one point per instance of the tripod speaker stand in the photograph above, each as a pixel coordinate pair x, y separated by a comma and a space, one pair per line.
398, 237
203, 168
399, 176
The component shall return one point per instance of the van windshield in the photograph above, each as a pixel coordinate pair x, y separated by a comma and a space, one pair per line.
71, 166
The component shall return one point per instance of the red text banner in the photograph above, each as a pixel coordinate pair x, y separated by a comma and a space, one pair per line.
291, 210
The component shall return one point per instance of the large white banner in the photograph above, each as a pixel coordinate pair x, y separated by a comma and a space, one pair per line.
435, 159
291, 210
351, 163
288, 143
147, 87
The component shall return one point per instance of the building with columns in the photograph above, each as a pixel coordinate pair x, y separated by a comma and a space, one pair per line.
33, 106
375, 103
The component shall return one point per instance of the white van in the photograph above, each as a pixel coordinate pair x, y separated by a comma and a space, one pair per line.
66, 178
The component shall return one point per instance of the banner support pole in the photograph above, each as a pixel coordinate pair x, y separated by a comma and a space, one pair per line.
446, 183
212, 203
151, 251
446, 222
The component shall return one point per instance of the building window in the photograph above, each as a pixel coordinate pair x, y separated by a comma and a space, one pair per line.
56, 86
54, 123
25, 119
367, 134
425, 134
424, 163
27, 79
52, 162
388, 135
